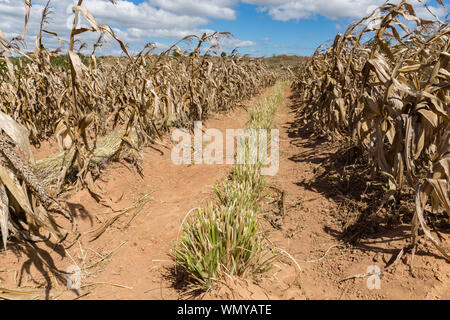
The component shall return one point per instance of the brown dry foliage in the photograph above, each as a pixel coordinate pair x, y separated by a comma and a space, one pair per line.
143, 96
384, 84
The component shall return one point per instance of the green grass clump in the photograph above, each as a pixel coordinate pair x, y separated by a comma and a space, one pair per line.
244, 189
223, 237
262, 117
221, 240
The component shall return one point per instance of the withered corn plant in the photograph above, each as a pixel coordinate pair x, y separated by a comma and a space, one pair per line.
385, 84
138, 97
25, 206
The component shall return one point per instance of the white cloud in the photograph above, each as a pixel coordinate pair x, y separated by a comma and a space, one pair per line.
285, 10
219, 9
236, 43
143, 16
171, 20
228, 44
133, 23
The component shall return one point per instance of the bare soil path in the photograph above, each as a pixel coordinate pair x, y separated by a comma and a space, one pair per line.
312, 232
312, 229
131, 259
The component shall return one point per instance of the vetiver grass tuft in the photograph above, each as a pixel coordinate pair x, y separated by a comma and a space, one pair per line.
223, 237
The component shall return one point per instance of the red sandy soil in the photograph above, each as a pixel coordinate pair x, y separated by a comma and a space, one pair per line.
140, 267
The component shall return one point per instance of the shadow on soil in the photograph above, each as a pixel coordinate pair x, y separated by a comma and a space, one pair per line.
181, 281
38, 256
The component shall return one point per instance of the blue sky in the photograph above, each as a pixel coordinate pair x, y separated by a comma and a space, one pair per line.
299, 37
260, 27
